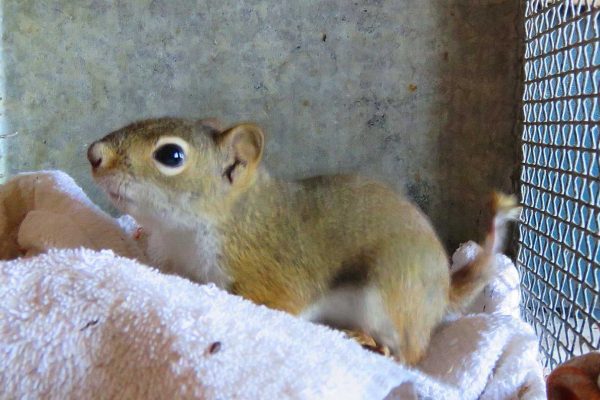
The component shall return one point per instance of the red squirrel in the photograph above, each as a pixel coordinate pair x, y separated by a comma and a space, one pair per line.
340, 250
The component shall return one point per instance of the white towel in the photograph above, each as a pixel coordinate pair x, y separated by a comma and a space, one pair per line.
86, 324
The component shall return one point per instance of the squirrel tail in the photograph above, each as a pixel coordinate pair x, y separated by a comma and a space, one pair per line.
467, 282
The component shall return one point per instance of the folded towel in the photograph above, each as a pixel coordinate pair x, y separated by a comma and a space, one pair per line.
80, 323
47, 209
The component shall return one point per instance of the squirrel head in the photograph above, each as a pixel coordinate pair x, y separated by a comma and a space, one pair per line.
172, 167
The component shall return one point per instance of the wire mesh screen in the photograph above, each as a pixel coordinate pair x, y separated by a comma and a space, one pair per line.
559, 251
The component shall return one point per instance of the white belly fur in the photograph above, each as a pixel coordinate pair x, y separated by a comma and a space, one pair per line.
192, 252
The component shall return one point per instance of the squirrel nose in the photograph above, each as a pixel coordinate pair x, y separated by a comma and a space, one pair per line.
96, 154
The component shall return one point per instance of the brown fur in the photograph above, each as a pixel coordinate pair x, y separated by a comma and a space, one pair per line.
287, 244
467, 282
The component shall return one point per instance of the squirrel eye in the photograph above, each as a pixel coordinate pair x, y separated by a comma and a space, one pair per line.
170, 155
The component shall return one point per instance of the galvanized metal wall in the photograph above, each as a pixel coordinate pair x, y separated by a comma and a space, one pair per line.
421, 94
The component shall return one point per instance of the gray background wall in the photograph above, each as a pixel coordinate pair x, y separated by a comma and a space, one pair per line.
420, 94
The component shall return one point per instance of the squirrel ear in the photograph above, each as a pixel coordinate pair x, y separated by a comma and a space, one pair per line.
243, 144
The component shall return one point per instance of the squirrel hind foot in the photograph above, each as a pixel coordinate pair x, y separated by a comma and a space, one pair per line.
356, 308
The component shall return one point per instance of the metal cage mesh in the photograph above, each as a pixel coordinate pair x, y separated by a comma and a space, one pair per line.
559, 250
